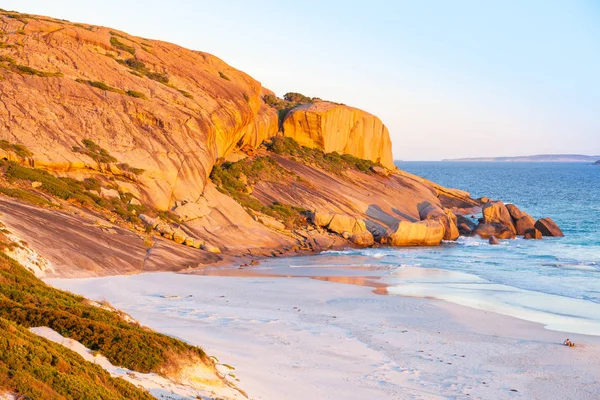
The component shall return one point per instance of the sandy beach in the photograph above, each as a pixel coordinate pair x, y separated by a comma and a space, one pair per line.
299, 338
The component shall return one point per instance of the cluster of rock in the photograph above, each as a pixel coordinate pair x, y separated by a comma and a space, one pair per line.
177, 235
501, 221
349, 227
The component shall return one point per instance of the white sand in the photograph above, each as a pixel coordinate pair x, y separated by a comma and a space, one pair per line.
304, 339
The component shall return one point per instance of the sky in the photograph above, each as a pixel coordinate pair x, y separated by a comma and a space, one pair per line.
450, 79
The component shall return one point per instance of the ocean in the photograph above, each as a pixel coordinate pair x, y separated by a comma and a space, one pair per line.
554, 281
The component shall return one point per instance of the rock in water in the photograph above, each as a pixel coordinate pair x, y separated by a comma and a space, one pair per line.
515, 212
532, 234
493, 240
497, 213
548, 227
524, 224
498, 230
465, 225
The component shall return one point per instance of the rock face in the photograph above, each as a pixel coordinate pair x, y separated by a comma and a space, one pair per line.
152, 105
346, 130
422, 233
548, 227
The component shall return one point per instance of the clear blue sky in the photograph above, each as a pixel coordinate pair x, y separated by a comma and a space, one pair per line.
449, 78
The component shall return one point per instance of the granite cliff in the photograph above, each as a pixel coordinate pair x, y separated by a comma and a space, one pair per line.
176, 159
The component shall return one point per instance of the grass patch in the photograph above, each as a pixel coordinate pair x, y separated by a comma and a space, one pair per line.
333, 162
95, 152
234, 178
25, 196
186, 94
19, 149
116, 43
101, 85
127, 167
140, 68
31, 71
136, 94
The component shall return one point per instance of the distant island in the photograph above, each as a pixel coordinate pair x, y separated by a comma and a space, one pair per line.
535, 158
597, 162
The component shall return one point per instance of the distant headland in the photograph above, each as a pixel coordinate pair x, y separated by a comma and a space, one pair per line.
535, 158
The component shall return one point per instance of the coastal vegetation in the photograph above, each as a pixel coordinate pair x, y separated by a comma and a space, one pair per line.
236, 180
290, 100
332, 162
27, 301
35, 368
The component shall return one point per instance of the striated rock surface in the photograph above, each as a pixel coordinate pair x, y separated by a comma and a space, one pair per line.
152, 105
346, 130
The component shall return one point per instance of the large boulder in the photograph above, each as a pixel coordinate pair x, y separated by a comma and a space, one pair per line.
515, 212
497, 213
465, 225
446, 217
422, 233
548, 227
524, 224
500, 231
532, 234
336, 127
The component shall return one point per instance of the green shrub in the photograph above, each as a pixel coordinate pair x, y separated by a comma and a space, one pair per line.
332, 162
233, 178
26, 196
35, 368
29, 302
19, 149
120, 45
95, 152
222, 75
186, 94
138, 95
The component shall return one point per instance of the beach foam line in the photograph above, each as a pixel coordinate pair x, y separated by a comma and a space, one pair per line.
558, 313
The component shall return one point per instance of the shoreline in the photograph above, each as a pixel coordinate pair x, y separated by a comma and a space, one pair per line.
293, 338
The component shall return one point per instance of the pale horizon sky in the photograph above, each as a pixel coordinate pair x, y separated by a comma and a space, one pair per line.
449, 78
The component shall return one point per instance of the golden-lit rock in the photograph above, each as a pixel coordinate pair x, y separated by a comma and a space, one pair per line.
421, 233
346, 130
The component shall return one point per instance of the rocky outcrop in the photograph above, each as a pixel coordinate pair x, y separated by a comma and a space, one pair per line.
422, 233
446, 217
349, 227
336, 127
548, 227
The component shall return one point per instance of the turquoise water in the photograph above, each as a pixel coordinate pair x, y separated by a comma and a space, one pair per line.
554, 281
